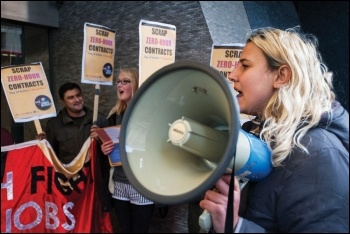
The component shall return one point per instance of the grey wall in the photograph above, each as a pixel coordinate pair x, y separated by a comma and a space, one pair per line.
227, 21
43, 13
279, 14
193, 40
198, 26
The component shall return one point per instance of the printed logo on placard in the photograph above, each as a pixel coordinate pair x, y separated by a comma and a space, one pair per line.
43, 102
107, 70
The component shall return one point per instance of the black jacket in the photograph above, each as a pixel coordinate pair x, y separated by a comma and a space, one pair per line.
66, 137
118, 174
311, 192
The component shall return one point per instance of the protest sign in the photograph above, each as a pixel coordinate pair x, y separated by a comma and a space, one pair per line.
157, 47
27, 92
225, 58
98, 54
98, 59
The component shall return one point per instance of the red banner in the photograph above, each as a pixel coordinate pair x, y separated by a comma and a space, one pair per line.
37, 195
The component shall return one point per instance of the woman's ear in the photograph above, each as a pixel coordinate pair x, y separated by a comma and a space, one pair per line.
283, 76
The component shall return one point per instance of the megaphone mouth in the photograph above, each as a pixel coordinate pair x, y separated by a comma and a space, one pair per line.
162, 171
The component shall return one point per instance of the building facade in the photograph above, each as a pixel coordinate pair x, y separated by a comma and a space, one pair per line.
52, 32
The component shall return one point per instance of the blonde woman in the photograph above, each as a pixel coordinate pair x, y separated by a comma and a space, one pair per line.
282, 80
134, 211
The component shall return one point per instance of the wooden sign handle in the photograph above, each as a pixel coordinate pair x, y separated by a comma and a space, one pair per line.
38, 126
97, 95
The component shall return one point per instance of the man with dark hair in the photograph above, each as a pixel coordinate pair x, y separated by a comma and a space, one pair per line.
69, 130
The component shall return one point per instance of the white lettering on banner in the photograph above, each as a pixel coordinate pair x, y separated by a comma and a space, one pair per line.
8, 185
16, 217
69, 215
8, 220
51, 215
51, 211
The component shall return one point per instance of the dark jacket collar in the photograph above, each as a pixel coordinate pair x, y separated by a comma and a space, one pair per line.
67, 119
337, 123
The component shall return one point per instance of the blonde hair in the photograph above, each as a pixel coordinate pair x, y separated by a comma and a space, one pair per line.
133, 75
296, 107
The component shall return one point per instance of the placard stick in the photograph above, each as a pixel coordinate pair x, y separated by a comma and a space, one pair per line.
38, 126
97, 95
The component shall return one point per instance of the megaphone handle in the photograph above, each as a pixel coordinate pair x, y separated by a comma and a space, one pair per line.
205, 221
242, 181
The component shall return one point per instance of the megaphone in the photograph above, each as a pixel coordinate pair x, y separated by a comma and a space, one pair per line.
180, 133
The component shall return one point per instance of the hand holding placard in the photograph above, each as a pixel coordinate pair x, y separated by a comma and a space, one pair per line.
111, 134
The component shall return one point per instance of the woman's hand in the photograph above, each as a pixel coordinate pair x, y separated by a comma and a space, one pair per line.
215, 202
107, 147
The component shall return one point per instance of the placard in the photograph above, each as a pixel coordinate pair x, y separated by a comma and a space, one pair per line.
98, 55
157, 47
111, 134
27, 92
225, 58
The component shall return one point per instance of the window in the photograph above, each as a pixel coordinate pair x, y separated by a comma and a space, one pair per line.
22, 44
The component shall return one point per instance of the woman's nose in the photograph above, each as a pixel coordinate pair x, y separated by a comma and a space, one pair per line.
232, 76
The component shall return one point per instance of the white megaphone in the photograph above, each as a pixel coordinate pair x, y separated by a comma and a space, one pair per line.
181, 132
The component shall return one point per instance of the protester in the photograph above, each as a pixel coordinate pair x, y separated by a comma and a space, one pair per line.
133, 211
69, 130
282, 80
